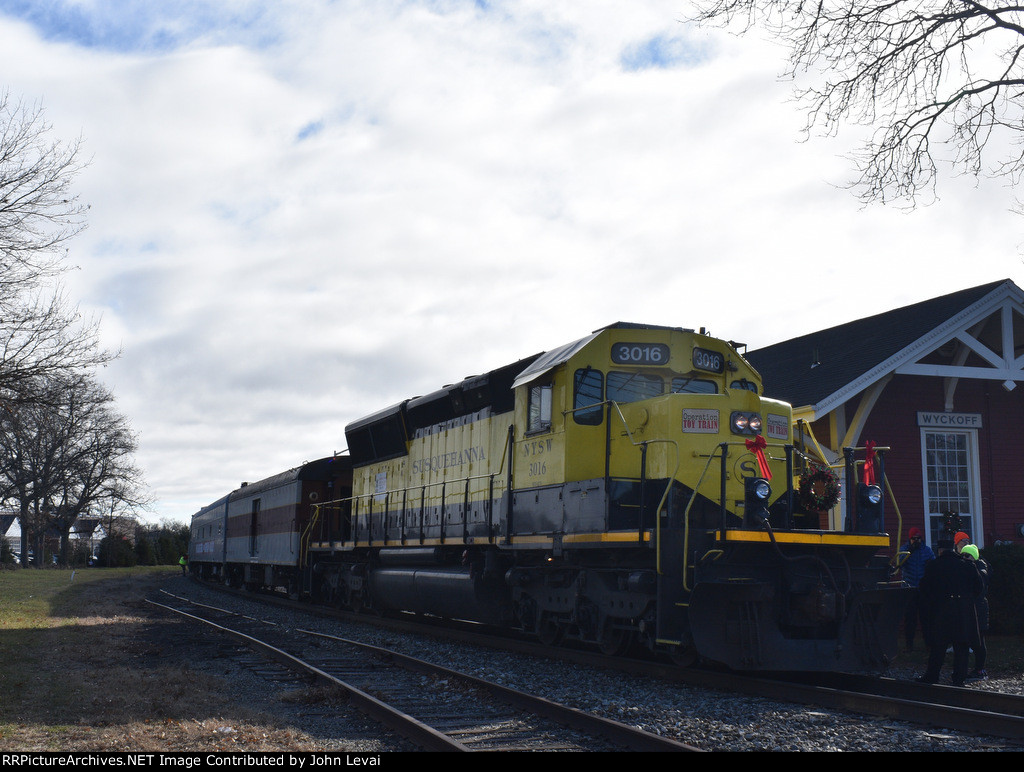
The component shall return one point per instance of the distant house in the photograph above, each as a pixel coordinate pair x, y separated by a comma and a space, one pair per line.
936, 383
11, 532
90, 529
84, 529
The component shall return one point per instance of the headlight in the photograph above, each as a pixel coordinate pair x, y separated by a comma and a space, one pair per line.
745, 423
872, 494
761, 489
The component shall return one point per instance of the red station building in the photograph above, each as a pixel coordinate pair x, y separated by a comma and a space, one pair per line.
935, 384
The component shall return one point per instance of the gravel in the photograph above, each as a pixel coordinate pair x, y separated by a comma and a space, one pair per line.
707, 719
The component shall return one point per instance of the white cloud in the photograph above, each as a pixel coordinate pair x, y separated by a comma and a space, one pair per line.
304, 211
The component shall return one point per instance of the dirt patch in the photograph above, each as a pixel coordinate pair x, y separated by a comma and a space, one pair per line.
113, 673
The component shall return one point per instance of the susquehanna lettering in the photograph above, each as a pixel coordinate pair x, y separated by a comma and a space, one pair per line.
447, 460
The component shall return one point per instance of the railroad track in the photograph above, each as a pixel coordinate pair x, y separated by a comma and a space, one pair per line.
979, 711
434, 707
976, 711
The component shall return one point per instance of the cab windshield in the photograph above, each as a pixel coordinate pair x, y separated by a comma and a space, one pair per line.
632, 387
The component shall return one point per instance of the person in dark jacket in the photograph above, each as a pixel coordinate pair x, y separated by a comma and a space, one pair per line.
949, 588
970, 552
918, 554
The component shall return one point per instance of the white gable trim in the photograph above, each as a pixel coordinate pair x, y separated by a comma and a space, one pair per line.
1006, 368
1005, 299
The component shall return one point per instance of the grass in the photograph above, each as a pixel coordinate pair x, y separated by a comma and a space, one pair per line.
83, 668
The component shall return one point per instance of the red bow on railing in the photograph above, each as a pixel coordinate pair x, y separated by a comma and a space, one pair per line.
757, 446
869, 464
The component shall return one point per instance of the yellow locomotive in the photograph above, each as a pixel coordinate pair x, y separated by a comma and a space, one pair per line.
633, 487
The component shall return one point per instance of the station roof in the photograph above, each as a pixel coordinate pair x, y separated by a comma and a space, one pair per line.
823, 369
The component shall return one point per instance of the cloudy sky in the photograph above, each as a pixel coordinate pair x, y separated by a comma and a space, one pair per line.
303, 211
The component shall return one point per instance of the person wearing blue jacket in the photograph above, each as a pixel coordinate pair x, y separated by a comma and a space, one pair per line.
918, 555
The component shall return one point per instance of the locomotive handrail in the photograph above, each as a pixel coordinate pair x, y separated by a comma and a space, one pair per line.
805, 428
686, 523
307, 533
668, 486
723, 447
356, 499
899, 517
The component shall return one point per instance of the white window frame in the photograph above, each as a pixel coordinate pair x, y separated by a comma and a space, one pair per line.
976, 528
539, 408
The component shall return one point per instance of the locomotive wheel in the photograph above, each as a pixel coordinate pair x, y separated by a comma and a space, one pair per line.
353, 601
684, 656
615, 641
549, 632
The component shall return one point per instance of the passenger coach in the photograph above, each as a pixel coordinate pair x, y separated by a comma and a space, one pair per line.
253, 536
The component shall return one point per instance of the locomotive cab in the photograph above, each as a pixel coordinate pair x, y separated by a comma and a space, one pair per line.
656, 448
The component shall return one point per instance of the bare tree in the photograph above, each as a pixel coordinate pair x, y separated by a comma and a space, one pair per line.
97, 460
67, 454
40, 332
39, 212
26, 467
939, 82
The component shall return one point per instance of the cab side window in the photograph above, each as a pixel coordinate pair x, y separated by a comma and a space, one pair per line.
539, 409
588, 389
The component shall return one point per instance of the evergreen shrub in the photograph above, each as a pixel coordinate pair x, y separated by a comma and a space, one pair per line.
1006, 588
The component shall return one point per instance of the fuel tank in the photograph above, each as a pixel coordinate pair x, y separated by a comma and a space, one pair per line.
448, 592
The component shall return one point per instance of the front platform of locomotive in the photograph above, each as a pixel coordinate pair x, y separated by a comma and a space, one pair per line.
766, 583
796, 601
748, 575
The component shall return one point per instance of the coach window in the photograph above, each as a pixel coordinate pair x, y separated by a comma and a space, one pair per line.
254, 518
588, 389
539, 408
632, 387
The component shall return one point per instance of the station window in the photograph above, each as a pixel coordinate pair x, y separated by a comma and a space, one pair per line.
539, 407
588, 389
951, 472
632, 387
